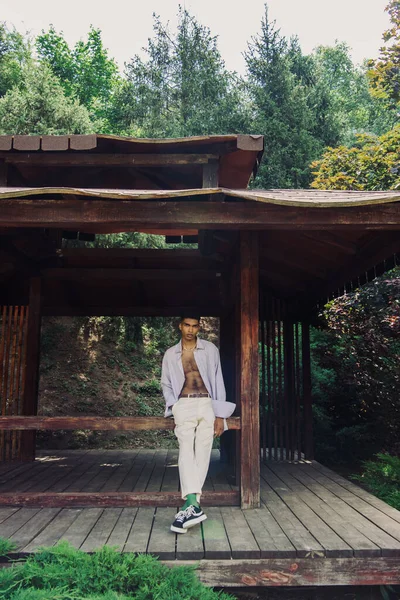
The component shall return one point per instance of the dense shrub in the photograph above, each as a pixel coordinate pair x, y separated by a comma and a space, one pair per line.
64, 573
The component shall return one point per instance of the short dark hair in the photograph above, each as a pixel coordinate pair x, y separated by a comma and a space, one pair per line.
190, 316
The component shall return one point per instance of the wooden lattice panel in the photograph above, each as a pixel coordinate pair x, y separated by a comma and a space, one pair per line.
13, 328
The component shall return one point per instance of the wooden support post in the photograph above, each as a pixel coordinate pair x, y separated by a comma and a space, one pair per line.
3, 173
227, 350
249, 383
307, 398
30, 399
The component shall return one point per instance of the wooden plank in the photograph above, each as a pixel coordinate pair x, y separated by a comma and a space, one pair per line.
111, 274
51, 143
127, 459
33, 527
83, 142
157, 476
6, 512
16, 521
389, 529
162, 540
81, 526
216, 542
26, 143
343, 527
272, 541
335, 546
85, 463
388, 544
358, 491
106, 469
111, 216
132, 476
31, 385
54, 531
120, 533
295, 573
109, 160
189, 545
94, 423
241, 538
306, 545
139, 534
249, 380
5, 142
102, 529
104, 499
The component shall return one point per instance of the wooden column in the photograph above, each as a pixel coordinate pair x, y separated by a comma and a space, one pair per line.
249, 383
30, 399
227, 350
307, 398
3, 173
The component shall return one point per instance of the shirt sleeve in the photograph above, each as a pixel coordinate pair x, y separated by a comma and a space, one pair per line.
166, 384
219, 380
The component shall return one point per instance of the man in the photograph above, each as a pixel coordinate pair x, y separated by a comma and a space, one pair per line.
194, 392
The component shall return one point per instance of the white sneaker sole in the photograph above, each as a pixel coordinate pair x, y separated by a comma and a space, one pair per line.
178, 529
190, 524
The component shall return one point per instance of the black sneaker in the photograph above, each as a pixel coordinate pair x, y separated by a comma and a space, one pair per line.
177, 525
193, 516
187, 518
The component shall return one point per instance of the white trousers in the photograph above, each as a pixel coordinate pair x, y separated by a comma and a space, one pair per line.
194, 428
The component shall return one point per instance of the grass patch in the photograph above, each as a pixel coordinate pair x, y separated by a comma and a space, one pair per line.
64, 573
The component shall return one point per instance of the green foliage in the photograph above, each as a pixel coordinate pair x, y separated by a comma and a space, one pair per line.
15, 51
64, 573
356, 373
182, 88
6, 547
382, 476
37, 105
384, 73
373, 164
86, 72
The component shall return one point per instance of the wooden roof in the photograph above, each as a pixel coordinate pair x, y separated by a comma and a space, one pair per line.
122, 162
311, 242
306, 198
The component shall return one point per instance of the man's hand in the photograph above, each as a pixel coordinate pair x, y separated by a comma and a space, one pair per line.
218, 426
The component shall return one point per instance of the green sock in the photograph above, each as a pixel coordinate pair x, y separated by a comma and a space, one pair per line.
190, 499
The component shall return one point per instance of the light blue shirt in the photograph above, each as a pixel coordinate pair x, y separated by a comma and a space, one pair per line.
208, 361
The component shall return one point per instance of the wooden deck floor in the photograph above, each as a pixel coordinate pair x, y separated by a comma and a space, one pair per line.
307, 510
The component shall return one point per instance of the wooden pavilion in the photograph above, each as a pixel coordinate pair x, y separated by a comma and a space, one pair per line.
265, 261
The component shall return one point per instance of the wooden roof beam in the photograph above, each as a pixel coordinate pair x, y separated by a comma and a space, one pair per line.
68, 159
109, 216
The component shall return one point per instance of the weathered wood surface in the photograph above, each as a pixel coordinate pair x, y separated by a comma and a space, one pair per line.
110, 216
120, 160
32, 358
249, 378
293, 573
90, 141
95, 423
308, 513
112, 499
290, 198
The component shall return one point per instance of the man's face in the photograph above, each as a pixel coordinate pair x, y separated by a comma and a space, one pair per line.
189, 329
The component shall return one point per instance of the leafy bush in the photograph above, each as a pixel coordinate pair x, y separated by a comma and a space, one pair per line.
64, 573
382, 476
356, 375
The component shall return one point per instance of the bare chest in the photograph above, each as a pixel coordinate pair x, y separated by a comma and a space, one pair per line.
189, 364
